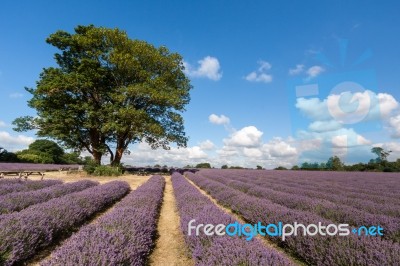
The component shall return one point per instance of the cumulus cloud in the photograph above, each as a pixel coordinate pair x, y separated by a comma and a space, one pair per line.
208, 67
142, 154
297, 70
13, 143
313, 108
349, 107
219, 119
261, 74
246, 137
207, 145
16, 95
314, 71
277, 147
394, 123
323, 126
387, 104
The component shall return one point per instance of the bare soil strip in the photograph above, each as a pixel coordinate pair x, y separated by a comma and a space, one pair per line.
170, 246
264, 240
133, 180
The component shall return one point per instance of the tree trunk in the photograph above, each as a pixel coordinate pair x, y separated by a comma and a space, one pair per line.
118, 155
97, 157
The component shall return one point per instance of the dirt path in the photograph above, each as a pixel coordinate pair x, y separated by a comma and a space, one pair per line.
170, 247
263, 240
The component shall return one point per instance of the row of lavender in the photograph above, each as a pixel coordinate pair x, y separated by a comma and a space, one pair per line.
316, 250
217, 250
295, 199
20, 200
17, 185
23, 233
14, 167
122, 237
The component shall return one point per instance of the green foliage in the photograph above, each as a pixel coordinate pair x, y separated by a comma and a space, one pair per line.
334, 163
236, 167
295, 167
27, 157
381, 153
6, 156
109, 90
224, 166
46, 151
105, 170
90, 165
259, 167
310, 166
280, 168
203, 165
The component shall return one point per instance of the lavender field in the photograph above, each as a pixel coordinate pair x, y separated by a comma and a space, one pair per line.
358, 199
37, 215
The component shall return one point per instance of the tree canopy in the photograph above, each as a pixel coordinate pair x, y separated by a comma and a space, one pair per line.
107, 92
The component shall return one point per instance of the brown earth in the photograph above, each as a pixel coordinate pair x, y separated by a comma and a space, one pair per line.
170, 246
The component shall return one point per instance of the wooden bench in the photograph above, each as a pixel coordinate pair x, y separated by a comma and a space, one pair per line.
21, 174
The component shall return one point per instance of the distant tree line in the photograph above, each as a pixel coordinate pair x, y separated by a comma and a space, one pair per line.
379, 164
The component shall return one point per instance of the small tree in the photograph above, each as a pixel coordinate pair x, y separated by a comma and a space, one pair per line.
225, 166
259, 167
203, 165
42, 151
381, 153
334, 163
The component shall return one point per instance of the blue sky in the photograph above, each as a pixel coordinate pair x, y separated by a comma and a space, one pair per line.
246, 61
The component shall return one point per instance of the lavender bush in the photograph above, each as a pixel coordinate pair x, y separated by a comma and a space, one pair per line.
122, 237
21, 200
24, 233
316, 250
18, 185
217, 250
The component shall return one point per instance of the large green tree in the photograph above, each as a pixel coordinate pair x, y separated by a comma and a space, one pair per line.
107, 92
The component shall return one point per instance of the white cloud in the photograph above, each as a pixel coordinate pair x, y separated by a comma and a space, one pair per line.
345, 113
264, 66
323, 126
252, 152
394, 122
16, 95
387, 104
246, 137
348, 107
313, 108
13, 143
297, 70
279, 148
142, 154
219, 120
207, 145
260, 75
314, 71
209, 67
